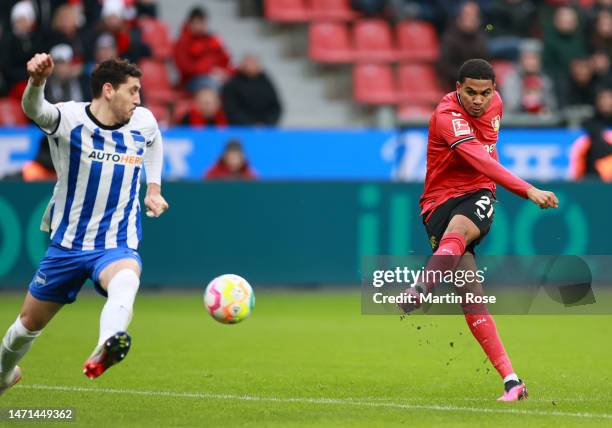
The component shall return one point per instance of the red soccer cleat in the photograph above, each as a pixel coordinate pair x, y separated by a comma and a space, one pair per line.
111, 352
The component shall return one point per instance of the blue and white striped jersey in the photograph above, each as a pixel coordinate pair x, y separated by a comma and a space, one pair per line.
95, 201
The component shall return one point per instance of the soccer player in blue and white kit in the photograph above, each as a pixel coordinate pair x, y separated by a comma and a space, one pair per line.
98, 150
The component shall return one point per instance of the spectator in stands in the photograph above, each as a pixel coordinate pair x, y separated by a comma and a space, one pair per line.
563, 41
19, 47
600, 61
105, 48
600, 5
127, 39
232, 164
65, 29
509, 22
146, 8
44, 11
601, 39
200, 55
463, 41
206, 110
527, 89
249, 98
66, 83
591, 155
579, 89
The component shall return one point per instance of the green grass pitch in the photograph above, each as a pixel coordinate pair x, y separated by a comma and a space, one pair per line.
311, 359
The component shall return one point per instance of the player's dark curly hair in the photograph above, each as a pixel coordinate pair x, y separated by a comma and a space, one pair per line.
114, 71
476, 69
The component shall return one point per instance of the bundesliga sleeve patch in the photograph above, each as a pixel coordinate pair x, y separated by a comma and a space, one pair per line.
461, 127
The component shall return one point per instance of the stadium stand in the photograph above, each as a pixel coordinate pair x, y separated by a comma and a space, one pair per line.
406, 46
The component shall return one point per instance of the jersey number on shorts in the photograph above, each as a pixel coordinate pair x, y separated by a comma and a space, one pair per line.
484, 204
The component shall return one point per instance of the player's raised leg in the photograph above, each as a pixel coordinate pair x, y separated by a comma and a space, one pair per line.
120, 280
34, 316
460, 232
482, 326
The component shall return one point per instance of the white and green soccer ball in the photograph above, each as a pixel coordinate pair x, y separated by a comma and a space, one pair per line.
229, 298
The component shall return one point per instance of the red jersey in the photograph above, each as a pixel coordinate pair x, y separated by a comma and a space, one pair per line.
461, 154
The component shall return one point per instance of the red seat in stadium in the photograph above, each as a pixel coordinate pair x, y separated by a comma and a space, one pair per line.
418, 84
286, 10
374, 84
155, 82
329, 42
11, 113
331, 10
502, 69
417, 41
373, 41
155, 33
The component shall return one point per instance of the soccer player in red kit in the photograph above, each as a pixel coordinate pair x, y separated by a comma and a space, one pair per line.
457, 204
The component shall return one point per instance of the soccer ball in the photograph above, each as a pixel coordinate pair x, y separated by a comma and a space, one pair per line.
229, 298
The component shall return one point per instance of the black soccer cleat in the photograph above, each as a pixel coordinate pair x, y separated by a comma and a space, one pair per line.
111, 352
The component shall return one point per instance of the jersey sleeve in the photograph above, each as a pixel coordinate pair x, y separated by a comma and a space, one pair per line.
477, 156
453, 128
147, 124
154, 152
67, 119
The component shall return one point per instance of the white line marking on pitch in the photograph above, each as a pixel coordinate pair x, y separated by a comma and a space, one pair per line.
562, 399
340, 401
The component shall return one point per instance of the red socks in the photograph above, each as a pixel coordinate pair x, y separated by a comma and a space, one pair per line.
452, 244
451, 248
484, 330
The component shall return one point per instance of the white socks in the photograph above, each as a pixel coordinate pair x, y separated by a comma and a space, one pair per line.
117, 312
510, 377
16, 343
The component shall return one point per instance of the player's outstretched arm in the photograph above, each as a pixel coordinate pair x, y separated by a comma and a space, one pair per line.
153, 160
474, 154
34, 105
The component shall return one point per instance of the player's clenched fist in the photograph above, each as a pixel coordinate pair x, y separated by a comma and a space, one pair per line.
542, 198
156, 204
40, 67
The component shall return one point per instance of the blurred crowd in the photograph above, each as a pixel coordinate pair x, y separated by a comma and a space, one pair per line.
550, 54
210, 89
